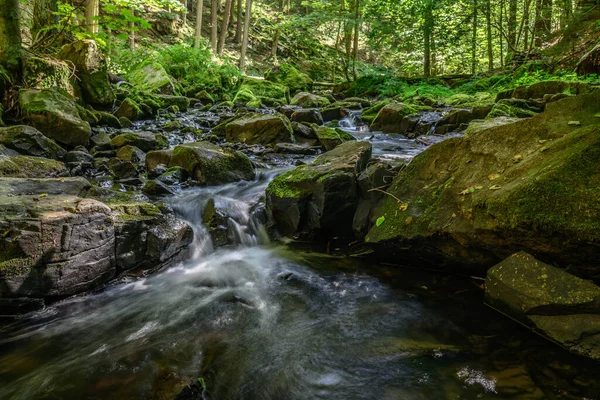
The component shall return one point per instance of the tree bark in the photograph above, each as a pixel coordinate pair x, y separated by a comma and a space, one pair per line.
92, 9
224, 26
238, 23
512, 26
198, 35
356, 31
427, 31
10, 38
132, 33
488, 22
501, 33
245, 39
213, 24
184, 13
474, 40
43, 16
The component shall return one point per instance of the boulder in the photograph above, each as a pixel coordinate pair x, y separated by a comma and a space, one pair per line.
307, 115
292, 148
55, 243
389, 117
54, 113
30, 142
153, 78
129, 109
91, 70
158, 157
369, 114
330, 138
253, 89
131, 153
166, 101
210, 164
319, 199
31, 167
548, 300
287, 75
309, 100
265, 129
143, 140
45, 73
514, 108
528, 185
539, 89
156, 188
122, 169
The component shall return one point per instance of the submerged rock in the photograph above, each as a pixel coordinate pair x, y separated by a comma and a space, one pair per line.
548, 300
473, 200
320, 198
54, 113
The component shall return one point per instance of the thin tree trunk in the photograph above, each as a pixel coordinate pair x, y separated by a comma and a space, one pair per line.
10, 38
277, 34
224, 26
512, 27
213, 24
427, 31
132, 33
43, 16
92, 8
245, 38
526, 25
356, 31
184, 13
474, 40
488, 22
238, 23
198, 35
501, 33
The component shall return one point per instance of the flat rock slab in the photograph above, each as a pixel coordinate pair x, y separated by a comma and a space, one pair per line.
548, 300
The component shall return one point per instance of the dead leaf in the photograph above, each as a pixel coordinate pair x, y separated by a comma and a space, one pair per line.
495, 187
403, 207
493, 177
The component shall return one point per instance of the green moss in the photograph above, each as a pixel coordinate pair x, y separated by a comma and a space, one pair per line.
293, 184
162, 142
287, 75
252, 89
87, 115
369, 114
501, 109
470, 100
243, 96
30, 167
254, 103
16, 266
134, 211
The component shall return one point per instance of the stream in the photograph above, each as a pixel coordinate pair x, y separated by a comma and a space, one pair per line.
258, 320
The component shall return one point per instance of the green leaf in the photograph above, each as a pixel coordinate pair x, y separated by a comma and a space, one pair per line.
380, 220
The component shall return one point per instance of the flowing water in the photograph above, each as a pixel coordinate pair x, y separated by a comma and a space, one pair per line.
260, 321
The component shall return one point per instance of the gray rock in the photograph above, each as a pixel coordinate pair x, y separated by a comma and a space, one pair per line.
30, 142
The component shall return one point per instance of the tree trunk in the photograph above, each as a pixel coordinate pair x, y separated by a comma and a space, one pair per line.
184, 13
501, 33
132, 33
245, 38
238, 23
10, 38
488, 23
543, 21
565, 14
224, 26
92, 8
526, 25
43, 16
512, 27
277, 34
427, 30
213, 24
198, 35
474, 40
356, 31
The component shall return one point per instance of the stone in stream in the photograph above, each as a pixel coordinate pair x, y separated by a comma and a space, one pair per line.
166, 101
91, 69
307, 115
128, 110
390, 117
330, 138
292, 148
131, 153
145, 141
320, 198
29, 141
309, 100
54, 113
528, 185
153, 78
548, 300
31, 167
262, 129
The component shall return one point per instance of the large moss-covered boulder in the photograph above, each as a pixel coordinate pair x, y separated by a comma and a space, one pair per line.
54, 113
91, 70
529, 185
45, 73
550, 301
330, 138
265, 129
540, 89
143, 140
210, 164
389, 118
253, 89
309, 100
30, 142
166, 101
129, 109
31, 167
319, 199
369, 114
153, 78
287, 75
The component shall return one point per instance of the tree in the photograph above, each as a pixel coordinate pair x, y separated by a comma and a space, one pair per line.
474, 40
44, 17
198, 34
245, 38
10, 38
92, 8
224, 25
238, 22
489, 38
428, 26
214, 8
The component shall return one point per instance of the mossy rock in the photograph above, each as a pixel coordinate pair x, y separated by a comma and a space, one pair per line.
129, 109
145, 141
389, 118
91, 70
369, 114
45, 73
181, 102
54, 113
153, 78
330, 138
309, 100
288, 76
210, 164
513, 108
31, 142
31, 167
530, 185
252, 89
